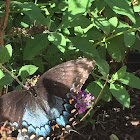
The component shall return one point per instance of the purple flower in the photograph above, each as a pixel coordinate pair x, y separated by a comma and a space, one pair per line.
83, 99
27, 86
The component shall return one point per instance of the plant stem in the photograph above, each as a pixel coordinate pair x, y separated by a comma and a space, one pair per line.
118, 34
96, 99
12, 75
35, 1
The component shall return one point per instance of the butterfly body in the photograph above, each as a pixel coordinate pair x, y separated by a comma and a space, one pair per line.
46, 107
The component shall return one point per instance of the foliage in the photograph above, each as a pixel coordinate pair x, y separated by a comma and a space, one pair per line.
42, 34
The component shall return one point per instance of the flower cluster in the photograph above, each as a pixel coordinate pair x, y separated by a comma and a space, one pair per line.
83, 99
31, 82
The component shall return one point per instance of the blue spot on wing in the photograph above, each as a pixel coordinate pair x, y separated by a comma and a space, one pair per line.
43, 132
24, 123
31, 129
38, 132
48, 129
62, 120
67, 107
67, 114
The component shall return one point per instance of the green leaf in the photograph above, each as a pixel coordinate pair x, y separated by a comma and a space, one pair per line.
61, 48
113, 21
26, 22
38, 62
49, 57
69, 20
24, 25
113, 137
5, 53
94, 34
66, 31
73, 17
85, 46
102, 52
1, 74
63, 5
121, 7
122, 26
59, 40
102, 23
121, 94
119, 74
129, 38
35, 46
27, 70
78, 31
100, 5
108, 12
136, 7
6, 80
95, 87
103, 66
78, 6
130, 80
33, 12
136, 45
116, 49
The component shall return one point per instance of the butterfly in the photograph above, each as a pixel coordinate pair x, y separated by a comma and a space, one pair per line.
46, 107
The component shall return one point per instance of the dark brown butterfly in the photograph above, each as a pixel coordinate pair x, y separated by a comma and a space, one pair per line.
45, 107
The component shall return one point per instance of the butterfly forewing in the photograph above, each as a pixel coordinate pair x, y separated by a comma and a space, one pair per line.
60, 79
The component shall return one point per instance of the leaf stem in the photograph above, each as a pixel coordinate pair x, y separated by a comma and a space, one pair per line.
118, 34
12, 75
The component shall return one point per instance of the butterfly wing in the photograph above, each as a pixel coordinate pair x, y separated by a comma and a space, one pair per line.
33, 116
12, 105
24, 111
39, 114
67, 76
